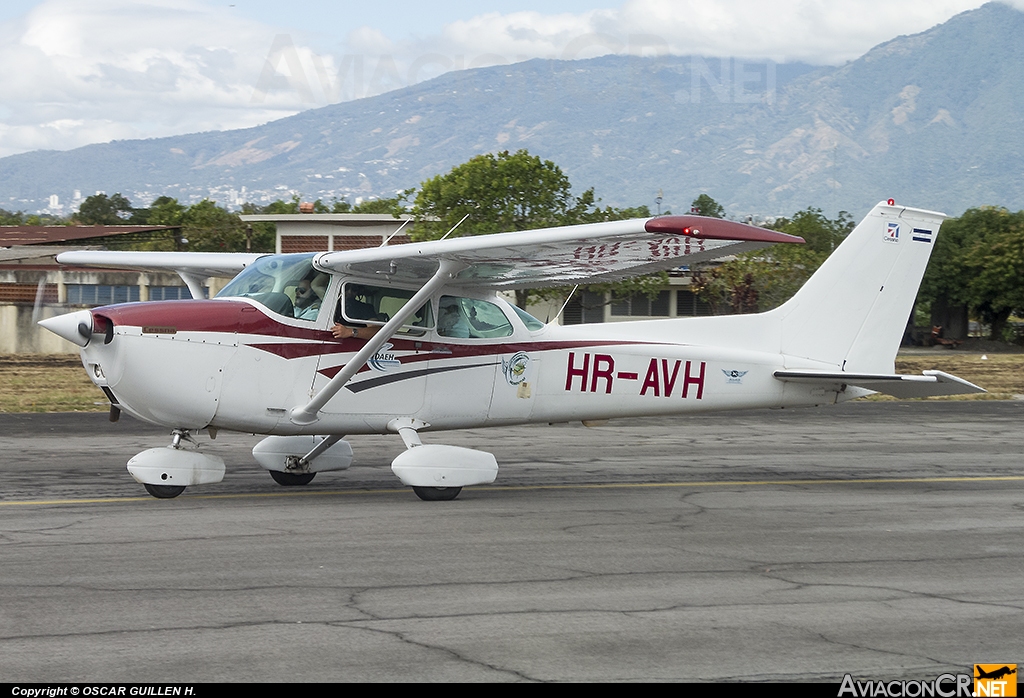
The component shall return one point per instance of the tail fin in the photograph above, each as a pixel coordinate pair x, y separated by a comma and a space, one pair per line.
853, 311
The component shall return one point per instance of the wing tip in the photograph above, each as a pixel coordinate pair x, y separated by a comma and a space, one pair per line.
716, 229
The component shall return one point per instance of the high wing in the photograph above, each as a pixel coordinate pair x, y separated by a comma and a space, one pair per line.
202, 264
592, 253
192, 267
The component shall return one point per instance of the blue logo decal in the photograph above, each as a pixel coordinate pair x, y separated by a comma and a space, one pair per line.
384, 359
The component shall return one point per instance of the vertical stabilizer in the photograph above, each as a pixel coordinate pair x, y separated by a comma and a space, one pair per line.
853, 311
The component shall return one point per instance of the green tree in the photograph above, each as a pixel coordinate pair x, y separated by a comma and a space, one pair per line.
507, 192
978, 262
210, 228
166, 211
280, 206
704, 205
395, 205
21, 218
765, 279
99, 209
499, 193
11, 217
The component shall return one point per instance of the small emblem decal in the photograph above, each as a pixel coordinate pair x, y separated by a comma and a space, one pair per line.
892, 233
734, 376
921, 235
384, 359
515, 368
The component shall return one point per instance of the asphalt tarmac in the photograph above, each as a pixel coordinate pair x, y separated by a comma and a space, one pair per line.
878, 539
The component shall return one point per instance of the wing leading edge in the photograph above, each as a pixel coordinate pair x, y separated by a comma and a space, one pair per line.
203, 264
592, 253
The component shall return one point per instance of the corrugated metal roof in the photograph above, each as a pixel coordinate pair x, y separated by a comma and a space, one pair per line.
11, 235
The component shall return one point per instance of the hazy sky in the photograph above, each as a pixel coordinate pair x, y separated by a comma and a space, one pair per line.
73, 73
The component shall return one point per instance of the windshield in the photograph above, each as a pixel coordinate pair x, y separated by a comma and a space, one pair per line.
286, 284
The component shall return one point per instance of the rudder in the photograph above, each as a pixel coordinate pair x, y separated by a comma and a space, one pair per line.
853, 311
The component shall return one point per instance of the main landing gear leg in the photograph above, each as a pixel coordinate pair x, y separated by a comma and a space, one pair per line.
297, 473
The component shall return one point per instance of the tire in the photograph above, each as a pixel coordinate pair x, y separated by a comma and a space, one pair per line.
437, 494
165, 491
291, 479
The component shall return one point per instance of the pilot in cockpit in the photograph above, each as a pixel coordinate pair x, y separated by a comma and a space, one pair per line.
309, 295
452, 321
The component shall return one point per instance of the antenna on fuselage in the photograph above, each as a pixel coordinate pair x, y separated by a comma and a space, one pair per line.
567, 299
455, 226
388, 239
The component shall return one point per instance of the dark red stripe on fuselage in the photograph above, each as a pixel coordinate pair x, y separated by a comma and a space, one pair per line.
206, 316
234, 316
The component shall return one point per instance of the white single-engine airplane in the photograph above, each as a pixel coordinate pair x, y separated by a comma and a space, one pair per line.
429, 345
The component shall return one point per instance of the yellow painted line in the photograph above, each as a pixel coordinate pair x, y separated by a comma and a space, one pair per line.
747, 483
512, 488
147, 498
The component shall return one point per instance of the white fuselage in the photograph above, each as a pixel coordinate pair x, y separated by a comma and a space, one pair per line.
232, 364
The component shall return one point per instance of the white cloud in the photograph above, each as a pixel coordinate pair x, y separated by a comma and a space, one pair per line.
816, 31
77, 73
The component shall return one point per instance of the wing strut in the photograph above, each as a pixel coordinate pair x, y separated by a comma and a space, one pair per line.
309, 413
194, 283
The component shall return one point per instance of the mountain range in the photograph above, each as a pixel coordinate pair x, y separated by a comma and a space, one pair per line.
932, 120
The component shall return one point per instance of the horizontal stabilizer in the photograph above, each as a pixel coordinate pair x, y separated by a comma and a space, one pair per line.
898, 385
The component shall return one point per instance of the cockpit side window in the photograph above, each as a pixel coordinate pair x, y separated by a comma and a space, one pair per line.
532, 323
363, 304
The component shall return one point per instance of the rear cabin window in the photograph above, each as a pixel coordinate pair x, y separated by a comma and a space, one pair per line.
469, 317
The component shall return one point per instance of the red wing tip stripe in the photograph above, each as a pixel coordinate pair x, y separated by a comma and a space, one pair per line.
715, 229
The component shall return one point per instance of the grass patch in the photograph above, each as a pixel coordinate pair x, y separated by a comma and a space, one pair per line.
1002, 375
47, 383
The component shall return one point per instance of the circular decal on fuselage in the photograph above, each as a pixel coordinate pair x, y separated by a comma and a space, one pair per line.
515, 368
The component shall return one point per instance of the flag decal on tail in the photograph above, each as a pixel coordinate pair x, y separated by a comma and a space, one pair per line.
921, 235
892, 233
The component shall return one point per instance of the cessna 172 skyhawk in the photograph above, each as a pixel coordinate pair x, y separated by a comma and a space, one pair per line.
423, 341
